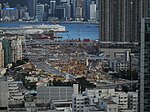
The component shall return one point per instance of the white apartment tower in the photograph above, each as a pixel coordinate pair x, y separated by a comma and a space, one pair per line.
93, 11
39, 12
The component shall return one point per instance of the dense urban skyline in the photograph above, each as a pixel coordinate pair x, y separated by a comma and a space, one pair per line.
53, 9
41, 71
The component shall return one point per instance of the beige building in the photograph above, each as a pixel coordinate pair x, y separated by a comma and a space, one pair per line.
1, 56
16, 49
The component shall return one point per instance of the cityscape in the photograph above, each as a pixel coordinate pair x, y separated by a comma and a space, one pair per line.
50, 10
74, 56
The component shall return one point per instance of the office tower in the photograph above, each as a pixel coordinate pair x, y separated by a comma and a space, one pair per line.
73, 8
0, 6
58, 2
144, 92
21, 11
60, 12
86, 9
39, 12
7, 51
144, 8
97, 10
68, 9
93, 11
79, 3
31, 5
9, 14
119, 20
79, 9
63, 10
97, 4
78, 12
52, 7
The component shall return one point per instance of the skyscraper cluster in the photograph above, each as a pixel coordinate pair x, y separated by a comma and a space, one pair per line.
10, 51
58, 9
128, 21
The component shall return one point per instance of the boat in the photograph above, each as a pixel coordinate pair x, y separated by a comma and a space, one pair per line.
39, 29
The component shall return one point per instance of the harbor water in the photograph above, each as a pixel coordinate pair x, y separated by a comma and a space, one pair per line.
75, 30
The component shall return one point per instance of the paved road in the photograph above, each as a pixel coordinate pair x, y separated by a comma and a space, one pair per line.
49, 69
116, 84
47, 42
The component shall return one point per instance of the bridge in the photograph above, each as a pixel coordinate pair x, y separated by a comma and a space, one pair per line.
117, 84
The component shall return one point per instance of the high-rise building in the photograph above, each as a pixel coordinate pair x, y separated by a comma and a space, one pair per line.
86, 9
0, 6
93, 11
144, 82
144, 8
119, 20
73, 8
7, 51
1, 56
52, 7
31, 5
9, 14
79, 9
60, 12
68, 9
97, 4
6, 5
97, 10
39, 12
79, 3
16, 49
78, 12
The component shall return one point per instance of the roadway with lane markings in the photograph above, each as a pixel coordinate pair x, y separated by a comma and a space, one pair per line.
44, 66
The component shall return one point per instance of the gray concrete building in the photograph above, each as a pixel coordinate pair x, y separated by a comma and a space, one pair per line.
3, 94
144, 82
46, 94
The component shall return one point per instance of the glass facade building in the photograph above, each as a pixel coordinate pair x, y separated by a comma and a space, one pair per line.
31, 4
7, 51
144, 79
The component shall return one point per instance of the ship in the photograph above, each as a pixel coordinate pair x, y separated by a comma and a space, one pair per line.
45, 28
45, 31
33, 29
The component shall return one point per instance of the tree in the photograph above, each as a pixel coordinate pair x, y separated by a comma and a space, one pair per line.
125, 89
83, 83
